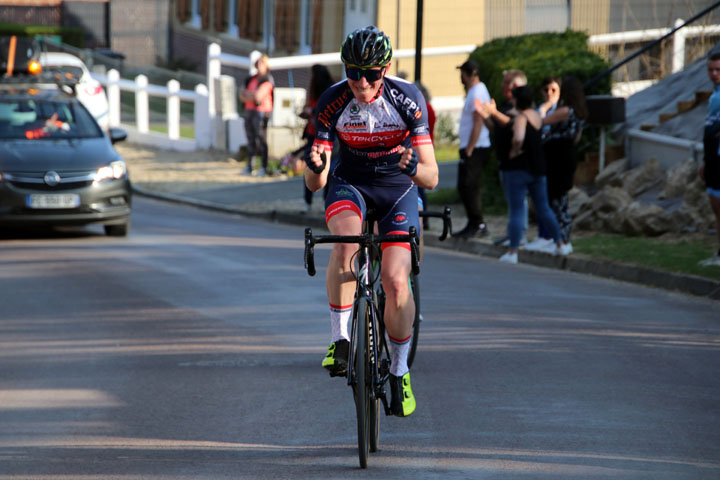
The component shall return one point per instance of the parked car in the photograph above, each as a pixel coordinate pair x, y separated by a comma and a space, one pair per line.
57, 166
89, 91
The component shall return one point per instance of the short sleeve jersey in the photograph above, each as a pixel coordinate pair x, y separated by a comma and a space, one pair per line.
372, 134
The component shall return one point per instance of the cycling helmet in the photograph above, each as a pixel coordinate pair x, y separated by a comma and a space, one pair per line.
366, 47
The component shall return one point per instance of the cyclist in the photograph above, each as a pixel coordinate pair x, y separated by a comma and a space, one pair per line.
381, 124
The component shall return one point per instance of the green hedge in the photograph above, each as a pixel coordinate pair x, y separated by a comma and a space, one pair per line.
71, 35
540, 55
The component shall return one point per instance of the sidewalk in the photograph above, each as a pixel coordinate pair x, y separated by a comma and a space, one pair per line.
213, 180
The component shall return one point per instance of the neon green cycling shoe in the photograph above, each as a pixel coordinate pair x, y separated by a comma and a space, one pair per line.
336, 359
403, 400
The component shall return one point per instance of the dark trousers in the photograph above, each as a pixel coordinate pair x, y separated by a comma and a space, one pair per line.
256, 131
469, 183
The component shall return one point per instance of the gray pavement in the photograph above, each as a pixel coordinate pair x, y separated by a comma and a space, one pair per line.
280, 201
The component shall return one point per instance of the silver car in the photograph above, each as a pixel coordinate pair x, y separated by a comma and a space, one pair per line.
57, 166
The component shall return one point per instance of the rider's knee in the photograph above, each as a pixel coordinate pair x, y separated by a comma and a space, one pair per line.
396, 285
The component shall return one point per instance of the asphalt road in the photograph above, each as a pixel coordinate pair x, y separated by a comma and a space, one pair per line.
191, 350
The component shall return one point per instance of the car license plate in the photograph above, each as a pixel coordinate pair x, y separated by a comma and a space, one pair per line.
60, 200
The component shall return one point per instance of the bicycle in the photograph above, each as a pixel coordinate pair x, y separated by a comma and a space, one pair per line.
368, 367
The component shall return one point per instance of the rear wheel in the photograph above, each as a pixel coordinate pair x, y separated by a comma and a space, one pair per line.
360, 388
415, 289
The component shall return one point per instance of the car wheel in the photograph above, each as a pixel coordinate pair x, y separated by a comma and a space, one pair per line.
118, 230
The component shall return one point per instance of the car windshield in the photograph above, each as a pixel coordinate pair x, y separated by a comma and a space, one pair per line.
38, 119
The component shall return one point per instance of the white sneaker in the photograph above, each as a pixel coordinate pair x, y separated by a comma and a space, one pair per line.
550, 247
539, 243
713, 261
564, 250
509, 258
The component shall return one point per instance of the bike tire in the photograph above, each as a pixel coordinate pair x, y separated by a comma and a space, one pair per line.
360, 389
374, 411
415, 288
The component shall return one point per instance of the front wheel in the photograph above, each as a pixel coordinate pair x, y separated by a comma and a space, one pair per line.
363, 395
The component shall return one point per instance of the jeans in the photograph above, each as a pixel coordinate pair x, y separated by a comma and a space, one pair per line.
507, 199
256, 131
518, 183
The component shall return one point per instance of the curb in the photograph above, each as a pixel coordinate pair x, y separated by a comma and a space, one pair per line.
689, 284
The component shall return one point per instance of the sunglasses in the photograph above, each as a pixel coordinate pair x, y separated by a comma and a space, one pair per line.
354, 73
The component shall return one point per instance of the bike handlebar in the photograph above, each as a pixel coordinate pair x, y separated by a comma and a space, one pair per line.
447, 221
365, 239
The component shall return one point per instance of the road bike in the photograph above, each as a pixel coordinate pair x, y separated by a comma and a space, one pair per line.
369, 358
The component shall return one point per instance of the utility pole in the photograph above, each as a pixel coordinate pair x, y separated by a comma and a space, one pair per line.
418, 40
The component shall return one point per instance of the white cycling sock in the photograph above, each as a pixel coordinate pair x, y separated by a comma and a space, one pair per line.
340, 320
400, 350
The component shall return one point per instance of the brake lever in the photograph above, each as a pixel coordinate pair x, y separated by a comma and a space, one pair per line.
447, 224
309, 252
415, 261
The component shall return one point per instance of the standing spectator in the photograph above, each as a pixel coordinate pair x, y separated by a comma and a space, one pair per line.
474, 151
550, 88
258, 98
710, 169
524, 171
500, 123
565, 130
320, 80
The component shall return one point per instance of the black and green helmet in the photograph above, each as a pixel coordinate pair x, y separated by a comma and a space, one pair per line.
366, 47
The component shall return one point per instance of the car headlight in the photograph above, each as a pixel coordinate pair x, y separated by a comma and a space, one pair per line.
116, 170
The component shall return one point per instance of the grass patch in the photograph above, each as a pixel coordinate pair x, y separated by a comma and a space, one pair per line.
446, 152
186, 131
682, 256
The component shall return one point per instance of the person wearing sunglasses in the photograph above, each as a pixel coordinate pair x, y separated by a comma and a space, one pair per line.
381, 125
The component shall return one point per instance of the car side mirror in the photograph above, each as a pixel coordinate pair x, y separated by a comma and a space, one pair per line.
117, 135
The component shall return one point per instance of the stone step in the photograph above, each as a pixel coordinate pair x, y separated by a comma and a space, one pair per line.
686, 105
702, 95
664, 117
647, 127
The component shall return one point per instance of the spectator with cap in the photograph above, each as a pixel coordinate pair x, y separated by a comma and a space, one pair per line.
474, 151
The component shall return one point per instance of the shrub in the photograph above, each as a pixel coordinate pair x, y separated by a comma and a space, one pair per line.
540, 55
446, 129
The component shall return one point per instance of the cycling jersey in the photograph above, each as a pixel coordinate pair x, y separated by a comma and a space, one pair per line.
371, 134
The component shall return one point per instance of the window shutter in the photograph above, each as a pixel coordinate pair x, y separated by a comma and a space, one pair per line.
249, 19
220, 16
286, 25
205, 13
183, 10
316, 41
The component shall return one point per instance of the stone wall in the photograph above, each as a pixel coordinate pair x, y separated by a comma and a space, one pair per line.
645, 200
